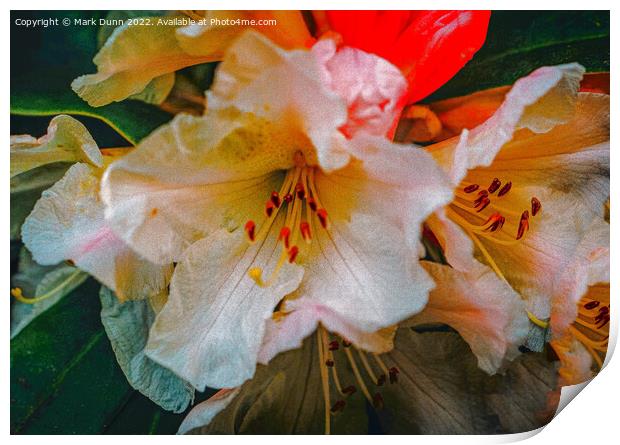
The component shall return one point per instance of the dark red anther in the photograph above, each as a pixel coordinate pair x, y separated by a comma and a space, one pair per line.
329, 363
536, 206
349, 390
312, 204
322, 215
381, 380
483, 193
334, 345
304, 228
498, 224
338, 406
250, 230
345, 343
275, 198
524, 224
269, 208
288, 198
505, 189
481, 198
292, 254
591, 305
502, 220
471, 188
494, 185
604, 310
285, 235
601, 320
482, 204
300, 191
394, 375
377, 401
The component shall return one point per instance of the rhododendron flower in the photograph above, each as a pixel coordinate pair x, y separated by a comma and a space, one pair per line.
528, 182
67, 222
580, 311
428, 46
267, 204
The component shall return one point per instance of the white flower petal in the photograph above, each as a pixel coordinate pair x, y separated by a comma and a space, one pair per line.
372, 87
364, 273
590, 266
68, 223
302, 319
211, 329
484, 309
400, 183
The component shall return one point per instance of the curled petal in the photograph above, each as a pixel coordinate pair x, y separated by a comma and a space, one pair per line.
132, 57
538, 102
67, 140
373, 88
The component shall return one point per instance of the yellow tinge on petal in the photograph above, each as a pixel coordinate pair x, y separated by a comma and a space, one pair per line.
214, 31
67, 140
133, 59
139, 61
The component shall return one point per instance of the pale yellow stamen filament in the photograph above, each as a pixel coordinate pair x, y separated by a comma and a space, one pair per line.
487, 256
324, 379
368, 368
17, 292
330, 356
291, 178
381, 363
593, 347
358, 376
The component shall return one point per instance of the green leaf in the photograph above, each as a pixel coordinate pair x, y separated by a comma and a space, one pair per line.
127, 325
65, 379
46, 62
518, 42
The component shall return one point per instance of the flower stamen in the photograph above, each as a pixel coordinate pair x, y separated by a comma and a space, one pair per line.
299, 194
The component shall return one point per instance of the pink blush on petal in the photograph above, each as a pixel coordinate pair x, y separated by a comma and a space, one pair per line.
373, 89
